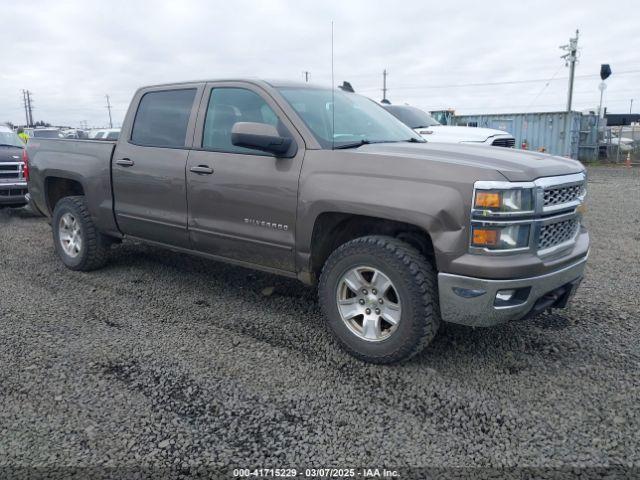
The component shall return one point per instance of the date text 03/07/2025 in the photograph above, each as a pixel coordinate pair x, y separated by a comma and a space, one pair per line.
316, 473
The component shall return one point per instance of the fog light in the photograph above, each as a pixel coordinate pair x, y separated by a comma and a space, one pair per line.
511, 297
504, 295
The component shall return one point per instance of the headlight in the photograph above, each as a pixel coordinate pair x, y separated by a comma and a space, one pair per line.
516, 200
500, 238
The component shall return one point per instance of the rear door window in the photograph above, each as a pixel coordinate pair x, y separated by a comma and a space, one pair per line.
162, 118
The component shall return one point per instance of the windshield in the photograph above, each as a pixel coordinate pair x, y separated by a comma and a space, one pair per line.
46, 134
412, 116
357, 118
10, 138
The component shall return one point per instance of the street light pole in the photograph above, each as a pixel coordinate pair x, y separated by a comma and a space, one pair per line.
605, 72
602, 87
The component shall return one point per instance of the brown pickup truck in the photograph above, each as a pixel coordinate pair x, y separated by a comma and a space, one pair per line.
325, 186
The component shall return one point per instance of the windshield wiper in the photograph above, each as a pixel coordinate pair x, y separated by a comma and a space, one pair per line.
364, 141
9, 145
357, 144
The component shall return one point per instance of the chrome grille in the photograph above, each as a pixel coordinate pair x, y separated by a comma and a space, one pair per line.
560, 195
556, 233
13, 192
504, 142
11, 171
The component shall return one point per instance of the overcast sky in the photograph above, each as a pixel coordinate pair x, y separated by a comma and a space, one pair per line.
71, 53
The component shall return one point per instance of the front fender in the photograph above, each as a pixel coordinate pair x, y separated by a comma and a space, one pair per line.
434, 196
436, 209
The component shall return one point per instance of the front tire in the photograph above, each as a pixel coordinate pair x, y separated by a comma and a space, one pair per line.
75, 237
380, 299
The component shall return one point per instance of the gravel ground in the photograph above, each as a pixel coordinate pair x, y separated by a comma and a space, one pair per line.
164, 360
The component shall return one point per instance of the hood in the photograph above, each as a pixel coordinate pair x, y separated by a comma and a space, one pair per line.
514, 165
461, 134
10, 154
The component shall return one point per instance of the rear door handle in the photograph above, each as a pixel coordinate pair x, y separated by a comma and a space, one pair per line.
202, 170
125, 162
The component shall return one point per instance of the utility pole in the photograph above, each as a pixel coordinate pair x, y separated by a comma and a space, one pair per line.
28, 108
570, 59
109, 108
306, 76
384, 84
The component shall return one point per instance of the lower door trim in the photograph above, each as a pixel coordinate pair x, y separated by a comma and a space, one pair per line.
240, 263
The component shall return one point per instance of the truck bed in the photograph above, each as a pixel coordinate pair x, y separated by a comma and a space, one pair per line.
86, 161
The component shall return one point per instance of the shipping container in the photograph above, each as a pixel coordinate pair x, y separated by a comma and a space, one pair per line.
568, 134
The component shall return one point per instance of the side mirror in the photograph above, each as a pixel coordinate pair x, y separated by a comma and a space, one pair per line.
259, 136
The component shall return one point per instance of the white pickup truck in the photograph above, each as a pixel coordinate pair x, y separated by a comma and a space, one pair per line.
430, 129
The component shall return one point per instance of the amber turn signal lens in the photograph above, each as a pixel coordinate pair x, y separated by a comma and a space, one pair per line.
484, 237
488, 200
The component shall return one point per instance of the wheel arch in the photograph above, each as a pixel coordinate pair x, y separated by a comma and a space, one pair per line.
332, 229
56, 188
96, 189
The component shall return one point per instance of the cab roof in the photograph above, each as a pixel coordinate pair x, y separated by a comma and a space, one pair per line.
255, 81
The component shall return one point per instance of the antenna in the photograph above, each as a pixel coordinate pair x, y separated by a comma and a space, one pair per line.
333, 102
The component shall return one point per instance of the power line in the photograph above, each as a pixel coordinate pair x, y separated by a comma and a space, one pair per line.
536, 67
609, 101
545, 86
488, 84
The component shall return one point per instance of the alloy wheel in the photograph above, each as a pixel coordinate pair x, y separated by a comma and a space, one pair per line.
368, 303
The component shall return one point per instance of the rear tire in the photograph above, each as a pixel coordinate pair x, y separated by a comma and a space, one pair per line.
380, 326
75, 237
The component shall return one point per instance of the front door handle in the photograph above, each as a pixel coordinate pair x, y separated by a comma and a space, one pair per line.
202, 170
125, 162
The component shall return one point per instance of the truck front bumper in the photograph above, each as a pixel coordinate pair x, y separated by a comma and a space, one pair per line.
13, 193
482, 303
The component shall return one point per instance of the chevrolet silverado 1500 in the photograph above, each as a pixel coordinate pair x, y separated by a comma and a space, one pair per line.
325, 186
